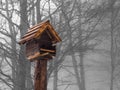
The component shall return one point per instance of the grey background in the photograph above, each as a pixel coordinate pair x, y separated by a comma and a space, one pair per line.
88, 56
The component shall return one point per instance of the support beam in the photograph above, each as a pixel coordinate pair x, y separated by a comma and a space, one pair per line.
41, 75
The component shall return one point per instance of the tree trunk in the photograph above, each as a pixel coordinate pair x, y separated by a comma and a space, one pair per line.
14, 50
76, 71
38, 11
112, 45
29, 82
82, 72
55, 75
22, 60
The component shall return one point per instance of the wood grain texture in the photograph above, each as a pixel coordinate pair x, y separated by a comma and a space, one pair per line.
36, 31
41, 75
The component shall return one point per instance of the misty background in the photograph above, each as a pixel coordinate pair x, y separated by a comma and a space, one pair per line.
88, 58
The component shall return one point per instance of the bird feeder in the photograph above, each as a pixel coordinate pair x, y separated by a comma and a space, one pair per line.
40, 41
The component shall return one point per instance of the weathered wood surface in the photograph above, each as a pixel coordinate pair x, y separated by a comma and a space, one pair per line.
37, 55
37, 30
42, 47
38, 25
46, 50
41, 75
32, 47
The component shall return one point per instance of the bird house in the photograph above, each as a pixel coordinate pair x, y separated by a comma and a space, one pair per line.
40, 41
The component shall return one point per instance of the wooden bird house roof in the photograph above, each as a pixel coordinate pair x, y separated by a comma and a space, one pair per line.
36, 31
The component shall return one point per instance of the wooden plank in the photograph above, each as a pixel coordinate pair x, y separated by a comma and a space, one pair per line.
38, 25
30, 33
46, 50
36, 55
48, 34
22, 41
30, 30
33, 56
54, 33
37, 32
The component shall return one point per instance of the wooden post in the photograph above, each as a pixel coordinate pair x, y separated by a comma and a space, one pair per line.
41, 75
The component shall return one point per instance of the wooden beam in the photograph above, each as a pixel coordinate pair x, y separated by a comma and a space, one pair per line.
41, 75
30, 33
46, 50
51, 29
22, 41
38, 25
36, 55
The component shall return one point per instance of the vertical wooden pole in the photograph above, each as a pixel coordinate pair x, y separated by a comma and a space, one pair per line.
41, 75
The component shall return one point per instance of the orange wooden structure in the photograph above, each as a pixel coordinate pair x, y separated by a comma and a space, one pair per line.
40, 43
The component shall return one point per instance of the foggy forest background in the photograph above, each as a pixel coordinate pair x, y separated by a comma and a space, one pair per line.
88, 58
